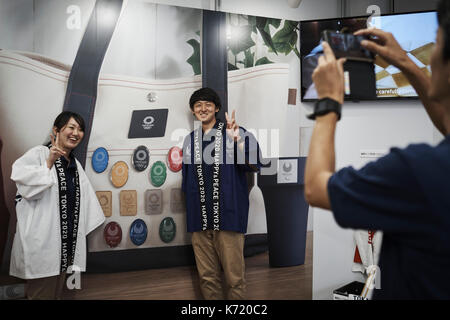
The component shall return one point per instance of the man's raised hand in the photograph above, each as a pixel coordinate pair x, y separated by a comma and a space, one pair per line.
232, 127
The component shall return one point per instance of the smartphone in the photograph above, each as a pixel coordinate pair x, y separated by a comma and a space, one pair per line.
347, 45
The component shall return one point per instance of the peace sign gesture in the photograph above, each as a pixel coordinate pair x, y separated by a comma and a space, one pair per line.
55, 151
232, 127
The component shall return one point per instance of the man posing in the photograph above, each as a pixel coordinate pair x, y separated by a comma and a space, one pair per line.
406, 193
216, 157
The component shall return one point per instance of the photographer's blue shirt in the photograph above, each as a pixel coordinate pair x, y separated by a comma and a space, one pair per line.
405, 194
234, 202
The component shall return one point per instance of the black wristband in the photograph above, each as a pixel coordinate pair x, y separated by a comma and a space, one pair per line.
324, 106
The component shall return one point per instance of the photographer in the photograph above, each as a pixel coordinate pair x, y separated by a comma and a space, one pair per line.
404, 194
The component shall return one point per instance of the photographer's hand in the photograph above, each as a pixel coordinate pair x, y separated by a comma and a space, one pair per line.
320, 165
386, 47
389, 49
328, 77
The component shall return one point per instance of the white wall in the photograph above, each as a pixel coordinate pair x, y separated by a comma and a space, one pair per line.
40, 26
308, 9
16, 15
359, 7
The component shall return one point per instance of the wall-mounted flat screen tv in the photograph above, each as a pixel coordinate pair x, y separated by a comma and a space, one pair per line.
415, 32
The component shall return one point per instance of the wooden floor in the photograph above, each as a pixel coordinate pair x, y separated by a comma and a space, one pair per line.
181, 283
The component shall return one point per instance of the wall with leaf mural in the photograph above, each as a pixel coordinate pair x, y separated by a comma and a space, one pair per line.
253, 41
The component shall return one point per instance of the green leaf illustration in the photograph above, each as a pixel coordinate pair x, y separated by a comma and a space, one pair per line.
274, 22
261, 24
263, 60
252, 23
285, 40
249, 59
240, 39
194, 59
232, 67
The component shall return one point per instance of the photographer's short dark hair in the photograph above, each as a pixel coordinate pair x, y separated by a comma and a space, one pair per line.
63, 118
205, 94
443, 13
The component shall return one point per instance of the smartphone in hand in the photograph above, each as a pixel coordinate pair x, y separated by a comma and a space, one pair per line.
347, 45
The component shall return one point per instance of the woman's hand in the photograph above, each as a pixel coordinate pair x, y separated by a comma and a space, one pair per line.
55, 151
